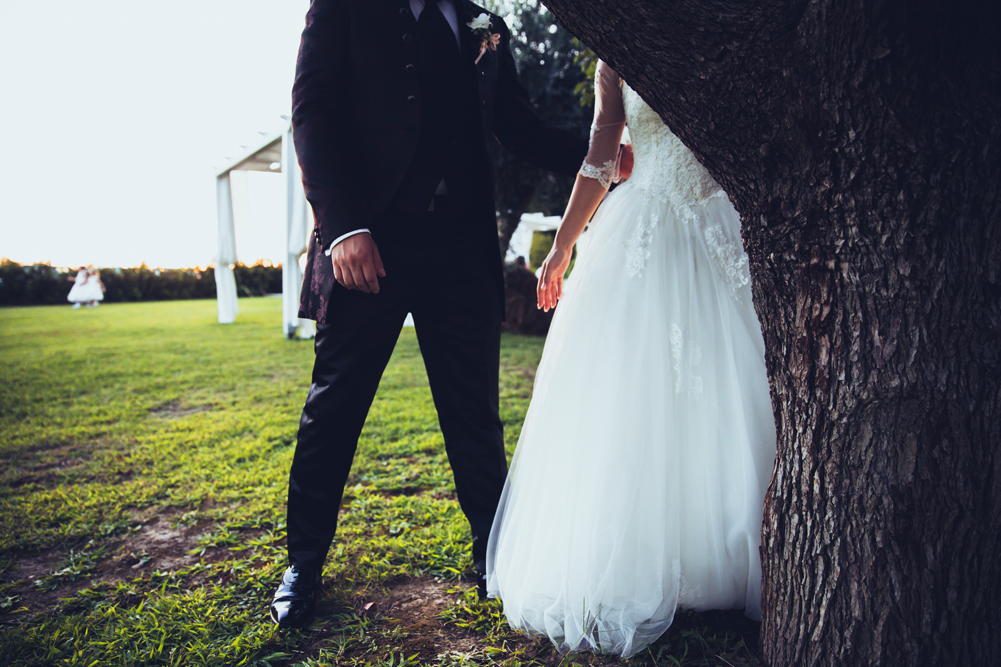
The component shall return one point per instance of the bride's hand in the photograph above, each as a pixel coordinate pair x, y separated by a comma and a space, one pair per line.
550, 287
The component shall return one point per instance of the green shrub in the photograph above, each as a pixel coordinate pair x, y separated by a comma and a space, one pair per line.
542, 242
43, 284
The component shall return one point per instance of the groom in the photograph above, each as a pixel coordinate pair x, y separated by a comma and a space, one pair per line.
394, 103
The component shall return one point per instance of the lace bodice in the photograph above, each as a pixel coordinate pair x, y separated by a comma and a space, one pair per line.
663, 167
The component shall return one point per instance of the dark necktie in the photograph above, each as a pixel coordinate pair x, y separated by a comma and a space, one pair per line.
444, 92
436, 31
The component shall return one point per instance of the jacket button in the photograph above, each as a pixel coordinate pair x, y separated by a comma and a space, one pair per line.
404, 11
483, 102
482, 74
411, 68
411, 99
407, 38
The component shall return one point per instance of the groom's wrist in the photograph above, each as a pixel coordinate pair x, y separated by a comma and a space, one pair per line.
342, 237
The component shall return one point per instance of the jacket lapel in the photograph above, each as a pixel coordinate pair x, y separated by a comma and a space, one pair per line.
465, 11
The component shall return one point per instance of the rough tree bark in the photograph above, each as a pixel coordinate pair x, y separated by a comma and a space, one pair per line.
859, 141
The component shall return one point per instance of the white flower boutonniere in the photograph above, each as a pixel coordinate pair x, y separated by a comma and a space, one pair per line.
481, 28
481, 22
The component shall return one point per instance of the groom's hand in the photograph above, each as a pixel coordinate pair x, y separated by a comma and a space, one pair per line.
357, 264
625, 162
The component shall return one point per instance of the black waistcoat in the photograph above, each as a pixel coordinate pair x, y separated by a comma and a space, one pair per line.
449, 132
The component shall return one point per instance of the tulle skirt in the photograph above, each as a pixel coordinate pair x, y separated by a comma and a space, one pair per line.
77, 293
88, 291
637, 485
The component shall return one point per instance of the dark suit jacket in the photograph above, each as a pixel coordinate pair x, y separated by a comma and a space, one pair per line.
356, 111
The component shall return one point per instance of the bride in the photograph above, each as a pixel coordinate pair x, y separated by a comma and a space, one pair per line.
637, 485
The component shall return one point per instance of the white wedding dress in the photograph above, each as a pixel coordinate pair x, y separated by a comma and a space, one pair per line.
637, 485
91, 290
77, 293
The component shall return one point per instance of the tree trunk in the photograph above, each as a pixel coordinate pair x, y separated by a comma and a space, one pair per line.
860, 143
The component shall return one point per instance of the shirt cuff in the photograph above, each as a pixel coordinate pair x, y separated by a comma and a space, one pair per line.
342, 237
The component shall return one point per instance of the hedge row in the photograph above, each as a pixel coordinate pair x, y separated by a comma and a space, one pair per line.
40, 284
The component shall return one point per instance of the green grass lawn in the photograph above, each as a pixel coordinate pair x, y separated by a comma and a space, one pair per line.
144, 452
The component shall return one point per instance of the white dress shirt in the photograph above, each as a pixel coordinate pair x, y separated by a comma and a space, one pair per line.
447, 8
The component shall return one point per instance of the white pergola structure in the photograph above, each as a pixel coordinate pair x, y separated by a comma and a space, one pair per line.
274, 154
521, 239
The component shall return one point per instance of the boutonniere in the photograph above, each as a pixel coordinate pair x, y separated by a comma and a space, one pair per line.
481, 28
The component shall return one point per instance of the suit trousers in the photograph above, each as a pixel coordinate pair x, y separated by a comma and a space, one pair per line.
457, 316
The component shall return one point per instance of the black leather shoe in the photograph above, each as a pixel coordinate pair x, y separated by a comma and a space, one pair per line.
295, 598
480, 568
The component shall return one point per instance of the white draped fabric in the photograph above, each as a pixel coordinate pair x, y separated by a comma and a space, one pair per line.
225, 282
225, 286
298, 226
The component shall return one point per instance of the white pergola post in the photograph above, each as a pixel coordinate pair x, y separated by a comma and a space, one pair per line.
274, 152
225, 282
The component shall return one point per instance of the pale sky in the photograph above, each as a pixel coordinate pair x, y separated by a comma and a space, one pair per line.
116, 115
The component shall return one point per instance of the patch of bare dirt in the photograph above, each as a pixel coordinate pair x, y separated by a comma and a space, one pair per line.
411, 605
160, 541
174, 410
412, 608
45, 464
62, 464
416, 604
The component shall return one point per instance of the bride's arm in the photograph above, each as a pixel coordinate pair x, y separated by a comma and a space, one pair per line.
596, 175
584, 200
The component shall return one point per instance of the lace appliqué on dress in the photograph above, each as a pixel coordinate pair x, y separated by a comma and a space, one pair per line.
685, 361
688, 594
730, 260
605, 174
638, 245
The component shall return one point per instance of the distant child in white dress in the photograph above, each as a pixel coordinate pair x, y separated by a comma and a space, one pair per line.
87, 288
76, 296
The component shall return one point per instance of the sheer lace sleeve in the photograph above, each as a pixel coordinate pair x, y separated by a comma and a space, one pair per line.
602, 161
